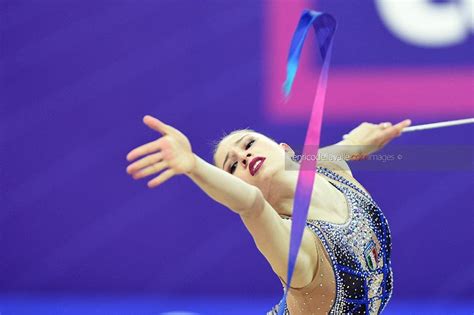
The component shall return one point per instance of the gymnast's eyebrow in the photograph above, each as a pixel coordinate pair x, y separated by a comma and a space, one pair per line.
236, 142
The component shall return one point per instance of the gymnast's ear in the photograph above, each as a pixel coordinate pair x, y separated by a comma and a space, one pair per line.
287, 149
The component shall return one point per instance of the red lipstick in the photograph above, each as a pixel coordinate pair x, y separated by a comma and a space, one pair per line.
255, 164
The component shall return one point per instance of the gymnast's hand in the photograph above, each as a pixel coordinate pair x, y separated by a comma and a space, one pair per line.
170, 154
368, 138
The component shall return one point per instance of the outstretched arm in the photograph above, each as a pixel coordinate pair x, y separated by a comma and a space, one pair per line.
369, 138
363, 140
225, 188
171, 154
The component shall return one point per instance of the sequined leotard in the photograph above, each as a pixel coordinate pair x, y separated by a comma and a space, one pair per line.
359, 251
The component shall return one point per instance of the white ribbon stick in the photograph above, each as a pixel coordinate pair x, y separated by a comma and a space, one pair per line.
439, 124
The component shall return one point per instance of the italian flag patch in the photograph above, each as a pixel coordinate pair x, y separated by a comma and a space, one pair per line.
371, 257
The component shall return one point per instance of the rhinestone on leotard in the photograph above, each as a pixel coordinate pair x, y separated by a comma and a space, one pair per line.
359, 251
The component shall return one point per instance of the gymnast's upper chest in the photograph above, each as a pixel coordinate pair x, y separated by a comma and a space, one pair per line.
328, 203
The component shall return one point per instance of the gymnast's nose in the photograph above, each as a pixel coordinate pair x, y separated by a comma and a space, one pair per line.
246, 159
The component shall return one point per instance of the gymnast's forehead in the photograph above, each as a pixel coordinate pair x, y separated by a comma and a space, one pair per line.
228, 142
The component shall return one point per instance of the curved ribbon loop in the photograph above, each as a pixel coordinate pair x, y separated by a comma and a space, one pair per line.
325, 26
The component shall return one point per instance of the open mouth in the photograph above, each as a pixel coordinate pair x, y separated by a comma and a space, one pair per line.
255, 165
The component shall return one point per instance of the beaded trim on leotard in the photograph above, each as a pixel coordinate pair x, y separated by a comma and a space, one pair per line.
363, 274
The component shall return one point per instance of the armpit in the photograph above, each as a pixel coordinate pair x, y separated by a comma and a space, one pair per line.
309, 287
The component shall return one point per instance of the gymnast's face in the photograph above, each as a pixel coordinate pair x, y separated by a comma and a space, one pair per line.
253, 157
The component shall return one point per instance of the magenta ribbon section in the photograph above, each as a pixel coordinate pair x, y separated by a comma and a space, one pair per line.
324, 26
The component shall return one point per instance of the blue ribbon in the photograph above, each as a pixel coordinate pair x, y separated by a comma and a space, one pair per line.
325, 26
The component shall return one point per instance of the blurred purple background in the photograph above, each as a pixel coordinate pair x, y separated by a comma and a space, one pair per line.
78, 76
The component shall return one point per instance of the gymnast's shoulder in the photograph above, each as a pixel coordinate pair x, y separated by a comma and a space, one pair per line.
338, 166
342, 168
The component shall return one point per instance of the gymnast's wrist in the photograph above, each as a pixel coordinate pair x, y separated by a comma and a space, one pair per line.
194, 165
349, 150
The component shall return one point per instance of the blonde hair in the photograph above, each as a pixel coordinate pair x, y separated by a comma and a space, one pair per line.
216, 143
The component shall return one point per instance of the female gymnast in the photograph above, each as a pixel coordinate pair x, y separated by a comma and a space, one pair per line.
343, 265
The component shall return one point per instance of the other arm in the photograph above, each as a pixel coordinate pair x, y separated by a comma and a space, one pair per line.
363, 140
